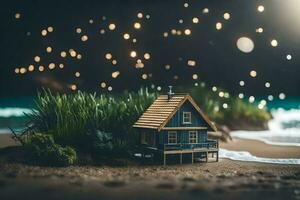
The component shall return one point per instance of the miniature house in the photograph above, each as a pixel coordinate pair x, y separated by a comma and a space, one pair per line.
175, 125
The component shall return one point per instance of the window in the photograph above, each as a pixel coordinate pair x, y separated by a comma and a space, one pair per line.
172, 137
187, 118
193, 137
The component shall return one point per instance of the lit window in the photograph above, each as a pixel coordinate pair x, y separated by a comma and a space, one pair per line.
172, 137
187, 118
193, 136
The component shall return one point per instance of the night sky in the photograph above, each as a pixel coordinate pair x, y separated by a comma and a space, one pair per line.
181, 35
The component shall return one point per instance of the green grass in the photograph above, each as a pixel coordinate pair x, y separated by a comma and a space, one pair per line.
70, 118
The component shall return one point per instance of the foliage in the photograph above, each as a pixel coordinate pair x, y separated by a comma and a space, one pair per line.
45, 151
237, 110
71, 118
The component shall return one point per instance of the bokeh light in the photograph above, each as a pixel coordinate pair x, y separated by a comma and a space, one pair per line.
245, 44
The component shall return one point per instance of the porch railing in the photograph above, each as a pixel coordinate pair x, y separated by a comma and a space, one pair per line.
209, 144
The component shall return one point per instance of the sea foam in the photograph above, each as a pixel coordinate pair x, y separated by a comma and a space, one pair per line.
246, 156
14, 112
284, 129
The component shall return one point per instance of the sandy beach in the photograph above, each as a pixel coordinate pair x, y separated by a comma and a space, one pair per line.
225, 179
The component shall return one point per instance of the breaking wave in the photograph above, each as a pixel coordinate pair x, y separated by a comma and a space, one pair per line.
14, 112
284, 129
246, 156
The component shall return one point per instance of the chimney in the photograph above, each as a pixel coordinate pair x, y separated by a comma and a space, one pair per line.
170, 93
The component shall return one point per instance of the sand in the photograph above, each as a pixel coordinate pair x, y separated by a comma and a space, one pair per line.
262, 149
225, 179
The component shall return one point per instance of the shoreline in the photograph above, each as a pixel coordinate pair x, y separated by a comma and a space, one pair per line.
254, 147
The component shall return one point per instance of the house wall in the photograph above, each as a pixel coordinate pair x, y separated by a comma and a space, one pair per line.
176, 120
182, 136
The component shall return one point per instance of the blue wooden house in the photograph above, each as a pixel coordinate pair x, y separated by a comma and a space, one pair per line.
175, 125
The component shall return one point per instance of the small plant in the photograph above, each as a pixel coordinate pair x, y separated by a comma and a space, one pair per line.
44, 151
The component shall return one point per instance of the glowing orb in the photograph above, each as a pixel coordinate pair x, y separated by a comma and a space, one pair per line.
84, 38
126, 36
191, 63
49, 49
103, 84
186, 5
51, 66
133, 54
195, 76
61, 66
187, 32
218, 25
205, 11
167, 67
274, 43
30, 68
137, 25
147, 56
225, 105
44, 32
259, 30
77, 74
108, 56
63, 54
165, 34
23, 70
109, 88
242, 83
260, 8
17, 70
17, 15
226, 16
37, 59
144, 76
41, 68
78, 30
140, 15
102, 31
111, 27
73, 87
214, 88
180, 21
253, 73
270, 97
50, 29
267, 84
288, 57
115, 74
241, 95
281, 96
251, 99
195, 20
114, 62
245, 44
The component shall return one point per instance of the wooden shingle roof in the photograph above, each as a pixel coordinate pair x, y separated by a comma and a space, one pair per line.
162, 110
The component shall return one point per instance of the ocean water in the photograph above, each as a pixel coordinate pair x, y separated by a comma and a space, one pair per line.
284, 128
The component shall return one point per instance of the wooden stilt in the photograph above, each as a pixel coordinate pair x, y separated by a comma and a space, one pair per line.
217, 156
212, 154
193, 158
181, 158
165, 159
206, 156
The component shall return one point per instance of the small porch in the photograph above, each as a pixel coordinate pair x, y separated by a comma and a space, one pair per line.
196, 150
